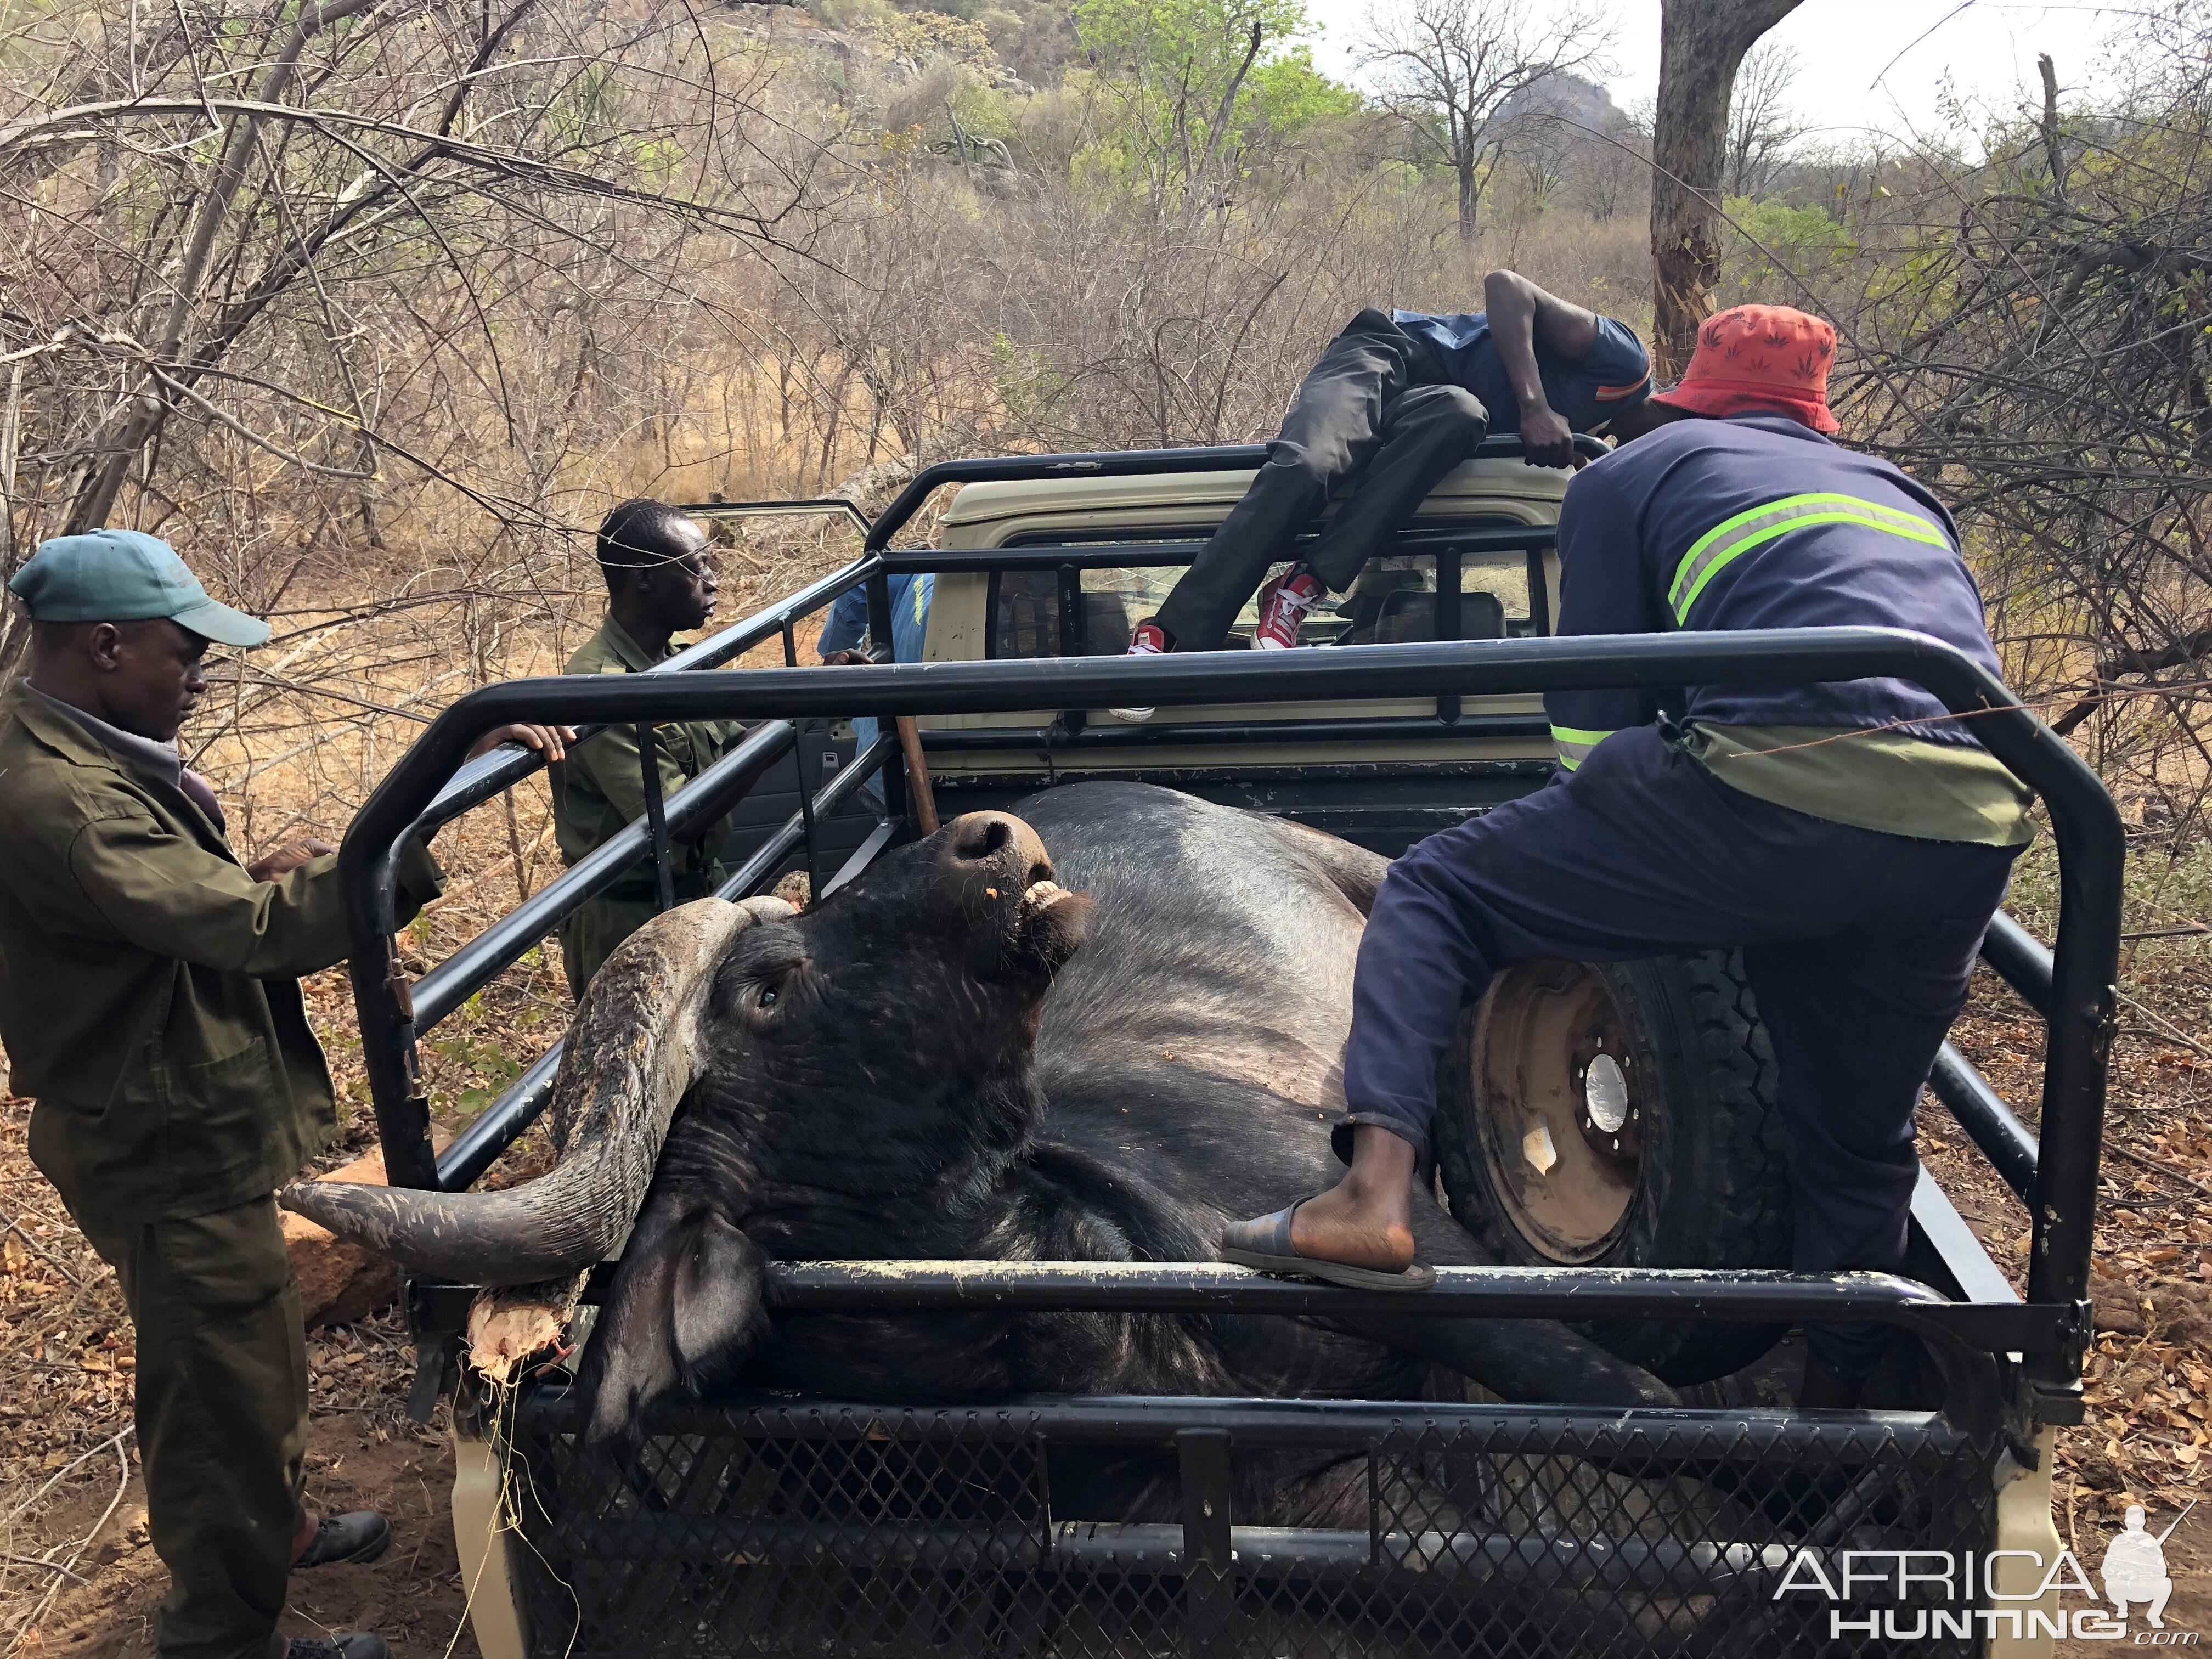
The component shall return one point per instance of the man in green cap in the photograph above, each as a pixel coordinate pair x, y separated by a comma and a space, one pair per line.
149, 1003
659, 584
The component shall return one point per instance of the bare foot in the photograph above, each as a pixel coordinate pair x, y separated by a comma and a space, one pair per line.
1366, 1219
305, 1535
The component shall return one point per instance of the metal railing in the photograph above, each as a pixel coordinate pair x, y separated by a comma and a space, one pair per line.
494, 1128
1122, 464
765, 1526
473, 967
2086, 826
488, 775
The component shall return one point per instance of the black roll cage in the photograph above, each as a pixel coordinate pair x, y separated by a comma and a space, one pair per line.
2073, 986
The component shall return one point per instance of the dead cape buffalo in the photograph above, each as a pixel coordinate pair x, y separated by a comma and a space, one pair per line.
954, 1057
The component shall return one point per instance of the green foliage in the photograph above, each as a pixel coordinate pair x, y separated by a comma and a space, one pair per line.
1193, 44
482, 1055
1781, 246
984, 113
1286, 94
1186, 97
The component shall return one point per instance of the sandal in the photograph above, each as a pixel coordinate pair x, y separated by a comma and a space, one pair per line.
1265, 1244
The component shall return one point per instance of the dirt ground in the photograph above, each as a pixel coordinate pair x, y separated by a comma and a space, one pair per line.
414, 1596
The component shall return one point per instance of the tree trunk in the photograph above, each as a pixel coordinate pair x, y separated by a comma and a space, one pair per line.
1701, 46
2054, 143
1195, 201
1470, 198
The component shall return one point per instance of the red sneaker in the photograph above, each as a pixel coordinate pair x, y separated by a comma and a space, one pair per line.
1284, 603
1150, 639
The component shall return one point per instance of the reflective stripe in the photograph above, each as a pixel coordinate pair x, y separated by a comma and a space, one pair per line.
1574, 743
1746, 531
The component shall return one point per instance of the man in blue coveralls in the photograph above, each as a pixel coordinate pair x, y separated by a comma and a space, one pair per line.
1399, 401
1851, 836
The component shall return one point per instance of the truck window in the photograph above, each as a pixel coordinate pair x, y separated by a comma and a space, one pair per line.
1503, 577
1026, 618
1393, 601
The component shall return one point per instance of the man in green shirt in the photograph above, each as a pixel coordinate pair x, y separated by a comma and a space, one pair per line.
659, 584
149, 1004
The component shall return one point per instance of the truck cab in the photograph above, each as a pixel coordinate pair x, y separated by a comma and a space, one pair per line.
1043, 582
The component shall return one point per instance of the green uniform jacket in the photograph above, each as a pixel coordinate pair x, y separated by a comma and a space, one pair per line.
600, 790
148, 987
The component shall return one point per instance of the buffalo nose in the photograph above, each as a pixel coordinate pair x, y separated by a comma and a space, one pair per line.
1002, 841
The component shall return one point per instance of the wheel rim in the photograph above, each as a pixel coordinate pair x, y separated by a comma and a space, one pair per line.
1559, 1108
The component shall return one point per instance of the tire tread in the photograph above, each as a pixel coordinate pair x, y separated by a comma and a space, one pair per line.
1729, 1152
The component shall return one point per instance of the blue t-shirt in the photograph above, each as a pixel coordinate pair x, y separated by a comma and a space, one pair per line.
848, 618
1583, 392
848, 621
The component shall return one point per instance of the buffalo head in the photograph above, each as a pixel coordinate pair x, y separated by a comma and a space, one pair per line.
742, 1082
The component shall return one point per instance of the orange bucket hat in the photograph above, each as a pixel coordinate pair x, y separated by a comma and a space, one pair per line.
1760, 357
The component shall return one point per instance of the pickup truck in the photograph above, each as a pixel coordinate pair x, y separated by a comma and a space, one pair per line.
1608, 1130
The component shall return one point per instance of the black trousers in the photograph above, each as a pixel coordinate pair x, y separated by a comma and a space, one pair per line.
1859, 945
1375, 405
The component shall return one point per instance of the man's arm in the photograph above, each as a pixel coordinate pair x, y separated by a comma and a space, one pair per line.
1601, 591
1521, 315
165, 893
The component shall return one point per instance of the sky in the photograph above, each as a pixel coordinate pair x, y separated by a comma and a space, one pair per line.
1984, 50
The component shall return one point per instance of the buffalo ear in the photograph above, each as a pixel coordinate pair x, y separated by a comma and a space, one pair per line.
718, 1311
685, 1308
631, 1360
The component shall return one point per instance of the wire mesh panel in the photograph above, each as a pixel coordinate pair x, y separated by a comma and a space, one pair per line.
1120, 1530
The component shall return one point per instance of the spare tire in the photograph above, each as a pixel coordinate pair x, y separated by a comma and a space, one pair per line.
1622, 1115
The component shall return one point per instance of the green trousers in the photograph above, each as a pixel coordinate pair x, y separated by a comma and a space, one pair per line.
222, 1418
589, 936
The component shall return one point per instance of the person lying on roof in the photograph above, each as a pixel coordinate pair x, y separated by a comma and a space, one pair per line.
1397, 402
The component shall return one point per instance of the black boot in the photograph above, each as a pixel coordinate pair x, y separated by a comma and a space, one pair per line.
360, 1536
339, 1645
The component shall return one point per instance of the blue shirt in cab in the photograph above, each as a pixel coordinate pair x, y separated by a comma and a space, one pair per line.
847, 624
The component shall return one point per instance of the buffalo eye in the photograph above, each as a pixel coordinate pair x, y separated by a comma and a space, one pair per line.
765, 998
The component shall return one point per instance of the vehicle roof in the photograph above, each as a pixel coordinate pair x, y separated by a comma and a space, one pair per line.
1467, 488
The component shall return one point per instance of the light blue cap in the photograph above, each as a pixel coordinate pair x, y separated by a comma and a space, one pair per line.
125, 576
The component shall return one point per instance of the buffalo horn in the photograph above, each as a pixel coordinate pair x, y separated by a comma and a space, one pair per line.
637, 1042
